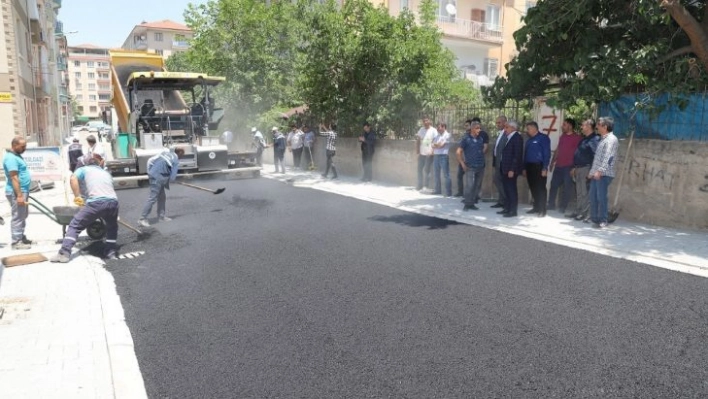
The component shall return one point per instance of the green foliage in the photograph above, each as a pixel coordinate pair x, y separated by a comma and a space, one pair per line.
348, 63
597, 50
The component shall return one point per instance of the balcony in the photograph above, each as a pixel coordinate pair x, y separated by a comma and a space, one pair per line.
59, 28
140, 44
180, 44
468, 29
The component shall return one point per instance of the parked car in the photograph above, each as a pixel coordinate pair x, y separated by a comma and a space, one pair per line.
96, 127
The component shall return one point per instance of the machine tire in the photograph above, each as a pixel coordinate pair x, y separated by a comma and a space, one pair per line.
97, 229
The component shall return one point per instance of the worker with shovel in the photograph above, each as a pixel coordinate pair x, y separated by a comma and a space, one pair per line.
162, 169
101, 202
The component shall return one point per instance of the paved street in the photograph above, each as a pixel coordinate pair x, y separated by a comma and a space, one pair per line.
269, 290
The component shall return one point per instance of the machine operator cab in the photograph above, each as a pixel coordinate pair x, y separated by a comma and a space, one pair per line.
160, 117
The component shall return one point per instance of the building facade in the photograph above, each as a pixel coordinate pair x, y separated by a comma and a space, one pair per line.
478, 32
89, 73
29, 83
162, 37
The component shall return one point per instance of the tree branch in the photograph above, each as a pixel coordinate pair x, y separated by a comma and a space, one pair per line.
689, 24
675, 53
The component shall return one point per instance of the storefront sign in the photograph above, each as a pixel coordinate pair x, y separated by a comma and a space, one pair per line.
5, 97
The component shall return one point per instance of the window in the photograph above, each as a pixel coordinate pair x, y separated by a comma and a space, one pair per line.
78, 86
104, 87
93, 109
79, 97
404, 4
103, 75
491, 67
92, 86
92, 97
530, 5
91, 64
91, 75
77, 75
158, 36
104, 97
103, 65
493, 17
81, 109
77, 63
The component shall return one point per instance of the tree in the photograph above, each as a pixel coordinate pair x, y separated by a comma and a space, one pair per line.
597, 50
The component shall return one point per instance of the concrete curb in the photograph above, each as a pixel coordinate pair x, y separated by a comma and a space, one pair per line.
635, 256
125, 371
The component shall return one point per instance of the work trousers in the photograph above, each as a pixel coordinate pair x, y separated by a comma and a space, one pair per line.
598, 199
297, 157
582, 186
279, 159
157, 195
101, 209
367, 160
330, 163
460, 180
537, 185
259, 156
561, 177
424, 164
473, 183
19, 216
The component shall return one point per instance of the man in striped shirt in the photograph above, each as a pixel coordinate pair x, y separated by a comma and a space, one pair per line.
602, 171
331, 135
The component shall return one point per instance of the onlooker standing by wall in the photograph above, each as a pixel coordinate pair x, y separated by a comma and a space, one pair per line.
470, 156
424, 149
368, 143
441, 148
18, 181
561, 164
331, 148
460, 170
602, 171
309, 141
498, 147
260, 144
537, 157
295, 144
511, 166
583, 158
279, 145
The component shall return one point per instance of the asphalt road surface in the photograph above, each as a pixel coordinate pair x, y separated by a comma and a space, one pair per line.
271, 291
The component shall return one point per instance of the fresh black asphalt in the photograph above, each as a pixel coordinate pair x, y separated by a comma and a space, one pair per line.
271, 291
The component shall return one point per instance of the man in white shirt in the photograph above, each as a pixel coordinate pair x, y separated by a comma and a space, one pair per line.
260, 144
295, 144
441, 148
424, 149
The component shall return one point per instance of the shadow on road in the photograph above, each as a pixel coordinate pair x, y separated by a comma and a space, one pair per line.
413, 220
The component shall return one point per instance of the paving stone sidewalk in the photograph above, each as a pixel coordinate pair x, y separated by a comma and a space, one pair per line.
63, 333
675, 249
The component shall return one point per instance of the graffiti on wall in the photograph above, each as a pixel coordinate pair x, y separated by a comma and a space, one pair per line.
651, 173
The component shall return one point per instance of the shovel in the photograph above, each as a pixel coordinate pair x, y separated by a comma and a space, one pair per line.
613, 214
217, 191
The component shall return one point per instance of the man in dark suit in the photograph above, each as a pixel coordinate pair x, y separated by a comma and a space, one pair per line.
512, 165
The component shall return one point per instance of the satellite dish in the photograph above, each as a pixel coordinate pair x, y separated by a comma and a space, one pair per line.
451, 9
227, 137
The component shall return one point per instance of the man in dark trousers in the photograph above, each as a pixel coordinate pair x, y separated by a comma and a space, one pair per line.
511, 166
75, 152
537, 157
162, 169
101, 202
460, 171
368, 141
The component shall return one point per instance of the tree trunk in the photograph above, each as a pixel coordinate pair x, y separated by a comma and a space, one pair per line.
693, 29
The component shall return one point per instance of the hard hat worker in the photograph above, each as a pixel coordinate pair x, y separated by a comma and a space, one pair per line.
162, 169
101, 202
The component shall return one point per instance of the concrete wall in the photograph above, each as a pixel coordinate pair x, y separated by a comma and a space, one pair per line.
666, 182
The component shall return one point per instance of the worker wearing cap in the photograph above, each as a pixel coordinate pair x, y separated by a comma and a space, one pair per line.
260, 144
162, 169
75, 152
279, 146
101, 203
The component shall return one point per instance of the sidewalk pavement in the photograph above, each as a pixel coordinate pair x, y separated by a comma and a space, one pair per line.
684, 251
63, 333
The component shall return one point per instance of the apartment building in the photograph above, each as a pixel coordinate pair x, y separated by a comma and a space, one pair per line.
478, 32
29, 84
161, 37
90, 76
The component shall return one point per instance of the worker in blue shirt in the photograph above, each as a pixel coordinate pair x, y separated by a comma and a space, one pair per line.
537, 157
17, 186
162, 169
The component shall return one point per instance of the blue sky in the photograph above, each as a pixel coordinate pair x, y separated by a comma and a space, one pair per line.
108, 23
